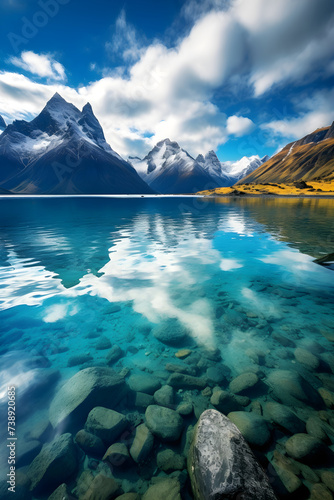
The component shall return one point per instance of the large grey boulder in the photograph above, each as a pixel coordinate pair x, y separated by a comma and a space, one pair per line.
96, 386
56, 462
221, 464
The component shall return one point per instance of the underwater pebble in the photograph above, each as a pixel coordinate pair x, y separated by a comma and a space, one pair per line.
327, 396
182, 381
79, 359
283, 416
304, 447
168, 460
89, 443
320, 492
183, 353
164, 396
61, 493
101, 488
243, 383
144, 383
306, 358
165, 489
142, 443
117, 455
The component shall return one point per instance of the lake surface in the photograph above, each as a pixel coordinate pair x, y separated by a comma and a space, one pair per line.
78, 276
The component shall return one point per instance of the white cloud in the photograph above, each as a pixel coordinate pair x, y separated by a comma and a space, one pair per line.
239, 125
168, 92
42, 65
314, 112
125, 40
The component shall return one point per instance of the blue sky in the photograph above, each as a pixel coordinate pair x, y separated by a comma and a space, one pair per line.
241, 77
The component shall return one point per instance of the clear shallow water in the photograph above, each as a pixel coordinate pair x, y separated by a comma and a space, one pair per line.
230, 272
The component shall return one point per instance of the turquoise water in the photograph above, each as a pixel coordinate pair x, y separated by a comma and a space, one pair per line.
78, 276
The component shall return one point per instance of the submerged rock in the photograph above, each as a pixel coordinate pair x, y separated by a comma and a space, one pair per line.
244, 383
166, 489
182, 381
171, 333
253, 427
89, 443
306, 358
168, 460
164, 396
224, 401
61, 493
117, 454
142, 382
292, 389
221, 464
106, 424
142, 443
56, 462
283, 416
305, 448
86, 389
101, 488
164, 422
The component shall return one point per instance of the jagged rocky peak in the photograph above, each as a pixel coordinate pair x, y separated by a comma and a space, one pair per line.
2, 124
330, 133
200, 159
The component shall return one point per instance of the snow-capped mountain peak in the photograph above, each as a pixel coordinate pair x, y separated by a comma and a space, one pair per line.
170, 169
239, 169
63, 150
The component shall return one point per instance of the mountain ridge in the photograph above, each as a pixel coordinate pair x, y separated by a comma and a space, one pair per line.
308, 158
63, 151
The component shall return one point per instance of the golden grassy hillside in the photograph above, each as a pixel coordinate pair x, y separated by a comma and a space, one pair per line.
310, 158
316, 188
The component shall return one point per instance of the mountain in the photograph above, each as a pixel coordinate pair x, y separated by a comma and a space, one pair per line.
63, 151
2, 124
169, 169
214, 168
239, 169
309, 158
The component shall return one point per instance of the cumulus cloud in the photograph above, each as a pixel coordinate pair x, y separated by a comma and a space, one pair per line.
239, 125
43, 65
314, 112
169, 91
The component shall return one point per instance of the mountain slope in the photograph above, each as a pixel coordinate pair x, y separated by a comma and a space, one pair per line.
63, 151
2, 124
311, 157
214, 168
169, 169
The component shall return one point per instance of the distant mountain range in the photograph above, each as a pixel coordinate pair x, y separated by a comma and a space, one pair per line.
63, 151
170, 169
310, 158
